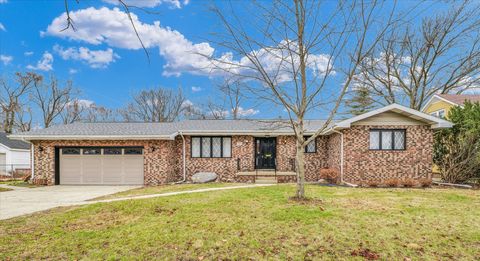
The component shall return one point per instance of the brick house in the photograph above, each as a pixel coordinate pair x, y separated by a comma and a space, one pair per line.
391, 142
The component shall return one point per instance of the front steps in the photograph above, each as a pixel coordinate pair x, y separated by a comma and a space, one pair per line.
266, 180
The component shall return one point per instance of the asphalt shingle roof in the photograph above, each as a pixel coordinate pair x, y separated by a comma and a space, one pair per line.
460, 98
168, 128
13, 144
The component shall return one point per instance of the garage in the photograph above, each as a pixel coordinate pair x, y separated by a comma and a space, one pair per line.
101, 166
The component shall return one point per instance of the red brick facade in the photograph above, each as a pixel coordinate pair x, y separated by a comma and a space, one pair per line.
163, 158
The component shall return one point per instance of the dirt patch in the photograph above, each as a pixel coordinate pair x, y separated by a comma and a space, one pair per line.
365, 253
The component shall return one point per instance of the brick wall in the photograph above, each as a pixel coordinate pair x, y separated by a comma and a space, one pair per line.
225, 168
362, 164
159, 164
163, 159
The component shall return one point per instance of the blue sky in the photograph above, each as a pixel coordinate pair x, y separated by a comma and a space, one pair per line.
108, 69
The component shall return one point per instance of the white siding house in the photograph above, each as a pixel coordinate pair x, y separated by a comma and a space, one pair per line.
14, 155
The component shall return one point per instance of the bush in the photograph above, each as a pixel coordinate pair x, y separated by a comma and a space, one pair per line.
425, 183
330, 175
409, 182
372, 183
393, 182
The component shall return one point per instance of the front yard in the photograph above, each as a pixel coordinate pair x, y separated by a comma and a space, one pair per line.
257, 223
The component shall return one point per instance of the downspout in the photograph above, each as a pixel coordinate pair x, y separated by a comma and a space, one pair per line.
341, 154
183, 160
32, 160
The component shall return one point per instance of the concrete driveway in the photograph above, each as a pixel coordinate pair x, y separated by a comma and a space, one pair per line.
22, 201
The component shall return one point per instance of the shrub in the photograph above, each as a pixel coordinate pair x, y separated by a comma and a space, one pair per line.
372, 183
392, 182
330, 175
425, 183
409, 182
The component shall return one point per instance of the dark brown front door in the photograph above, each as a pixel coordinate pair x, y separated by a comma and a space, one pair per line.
265, 152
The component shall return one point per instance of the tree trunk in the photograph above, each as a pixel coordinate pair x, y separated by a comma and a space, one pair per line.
300, 169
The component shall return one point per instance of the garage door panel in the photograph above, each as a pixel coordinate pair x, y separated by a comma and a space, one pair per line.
112, 170
101, 169
71, 169
92, 169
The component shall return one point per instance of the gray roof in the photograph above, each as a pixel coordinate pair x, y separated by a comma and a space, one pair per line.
129, 129
13, 144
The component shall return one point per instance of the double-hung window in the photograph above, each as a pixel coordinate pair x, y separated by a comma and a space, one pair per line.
311, 146
387, 139
211, 147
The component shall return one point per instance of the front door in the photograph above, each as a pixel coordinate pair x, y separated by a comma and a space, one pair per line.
265, 150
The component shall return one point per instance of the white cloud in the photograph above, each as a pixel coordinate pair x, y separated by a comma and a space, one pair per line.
28, 53
2, 27
196, 89
72, 71
113, 27
149, 3
6, 59
3, 1
44, 64
246, 112
95, 59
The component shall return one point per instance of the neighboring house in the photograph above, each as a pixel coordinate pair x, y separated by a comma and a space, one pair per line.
14, 154
390, 142
440, 104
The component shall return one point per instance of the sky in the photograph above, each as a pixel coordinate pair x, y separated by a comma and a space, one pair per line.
104, 59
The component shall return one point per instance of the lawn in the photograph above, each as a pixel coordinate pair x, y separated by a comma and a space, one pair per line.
19, 183
166, 189
257, 223
4, 189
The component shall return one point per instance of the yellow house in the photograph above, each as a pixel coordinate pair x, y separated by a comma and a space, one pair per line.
440, 104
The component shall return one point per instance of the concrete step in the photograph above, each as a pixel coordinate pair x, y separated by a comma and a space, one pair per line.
266, 180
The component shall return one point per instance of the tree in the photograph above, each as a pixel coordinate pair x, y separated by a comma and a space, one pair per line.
11, 97
52, 99
232, 91
73, 111
361, 102
457, 150
24, 119
155, 105
289, 55
441, 56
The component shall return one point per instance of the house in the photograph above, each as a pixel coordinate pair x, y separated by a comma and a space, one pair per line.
390, 142
14, 155
440, 104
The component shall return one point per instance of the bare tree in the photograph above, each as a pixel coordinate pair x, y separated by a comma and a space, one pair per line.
97, 113
442, 56
232, 91
24, 119
11, 97
291, 54
155, 105
52, 99
73, 111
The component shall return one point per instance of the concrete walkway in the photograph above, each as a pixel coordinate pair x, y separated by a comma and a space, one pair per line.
22, 201
37, 199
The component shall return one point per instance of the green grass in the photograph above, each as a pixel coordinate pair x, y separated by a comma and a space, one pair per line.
4, 189
165, 189
257, 223
19, 183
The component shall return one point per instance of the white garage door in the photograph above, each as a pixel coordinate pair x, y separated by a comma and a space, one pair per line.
101, 166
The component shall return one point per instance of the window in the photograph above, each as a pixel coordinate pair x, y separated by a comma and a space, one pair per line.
112, 151
387, 139
92, 151
71, 151
211, 147
439, 114
311, 146
133, 151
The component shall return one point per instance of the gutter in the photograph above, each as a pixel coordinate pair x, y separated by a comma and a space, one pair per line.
183, 160
341, 154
